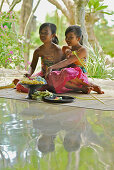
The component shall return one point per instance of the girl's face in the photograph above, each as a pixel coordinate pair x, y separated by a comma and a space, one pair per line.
46, 35
71, 39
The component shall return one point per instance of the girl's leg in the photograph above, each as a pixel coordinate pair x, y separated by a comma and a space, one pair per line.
96, 88
74, 87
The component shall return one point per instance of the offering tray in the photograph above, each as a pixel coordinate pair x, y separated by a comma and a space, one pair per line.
58, 99
32, 88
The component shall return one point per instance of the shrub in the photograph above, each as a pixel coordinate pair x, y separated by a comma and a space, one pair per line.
96, 66
11, 43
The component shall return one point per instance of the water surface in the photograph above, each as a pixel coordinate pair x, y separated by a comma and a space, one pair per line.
42, 136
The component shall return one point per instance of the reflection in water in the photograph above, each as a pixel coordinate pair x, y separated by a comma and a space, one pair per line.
45, 136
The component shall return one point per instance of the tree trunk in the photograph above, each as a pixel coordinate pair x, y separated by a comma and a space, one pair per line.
80, 18
91, 19
1, 5
74, 12
25, 13
13, 4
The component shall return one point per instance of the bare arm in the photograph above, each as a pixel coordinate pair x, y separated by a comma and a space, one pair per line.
33, 63
64, 62
72, 59
61, 64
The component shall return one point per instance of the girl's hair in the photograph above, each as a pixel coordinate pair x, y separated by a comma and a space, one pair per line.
77, 31
53, 29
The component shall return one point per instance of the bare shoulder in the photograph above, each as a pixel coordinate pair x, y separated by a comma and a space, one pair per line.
38, 50
57, 48
82, 50
58, 54
64, 48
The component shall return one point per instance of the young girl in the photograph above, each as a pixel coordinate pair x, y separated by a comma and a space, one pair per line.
49, 52
74, 76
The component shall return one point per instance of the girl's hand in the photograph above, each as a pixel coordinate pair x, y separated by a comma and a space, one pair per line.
48, 71
27, 75
68, 53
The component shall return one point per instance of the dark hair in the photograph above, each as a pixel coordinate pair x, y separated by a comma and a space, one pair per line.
77, 31
72, 141
46, 146
53, 30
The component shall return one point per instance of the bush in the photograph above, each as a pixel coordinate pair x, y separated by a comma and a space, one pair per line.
96, 66
11, 43
105, 36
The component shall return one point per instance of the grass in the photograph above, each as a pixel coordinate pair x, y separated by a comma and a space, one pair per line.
96, 66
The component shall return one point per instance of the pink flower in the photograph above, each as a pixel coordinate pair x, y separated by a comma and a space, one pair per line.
2, 27
5, 61
5, 26
28, 62
10, 60
11, 52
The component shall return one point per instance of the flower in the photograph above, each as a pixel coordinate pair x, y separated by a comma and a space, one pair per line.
11, 52
28, 62
10, 60
2, 27
5, 26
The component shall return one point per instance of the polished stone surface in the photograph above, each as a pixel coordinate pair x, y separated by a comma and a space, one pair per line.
42, 136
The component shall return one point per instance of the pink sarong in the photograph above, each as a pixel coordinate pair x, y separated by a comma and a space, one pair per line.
58, 79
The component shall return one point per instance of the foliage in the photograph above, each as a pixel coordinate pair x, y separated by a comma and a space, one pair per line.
105, 36
96, 5
96, 65
35, 39
11, 43
59, 21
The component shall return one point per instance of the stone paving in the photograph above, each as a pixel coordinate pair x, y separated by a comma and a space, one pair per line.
7, 75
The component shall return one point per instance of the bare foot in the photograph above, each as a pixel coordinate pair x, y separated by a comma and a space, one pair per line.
97, 89
86, 90
15, 81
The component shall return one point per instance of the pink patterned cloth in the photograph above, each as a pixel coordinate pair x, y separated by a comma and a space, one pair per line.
58, 79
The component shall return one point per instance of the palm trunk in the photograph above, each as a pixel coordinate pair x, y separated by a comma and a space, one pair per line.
80, 18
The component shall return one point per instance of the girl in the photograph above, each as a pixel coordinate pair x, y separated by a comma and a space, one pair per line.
49, 52
74, 76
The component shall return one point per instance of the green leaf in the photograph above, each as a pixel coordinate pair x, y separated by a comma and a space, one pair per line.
96, 4
106, 13
89, 4
8, 24
101, 7
92, 2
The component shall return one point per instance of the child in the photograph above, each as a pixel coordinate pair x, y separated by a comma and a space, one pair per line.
74, 76
49, 52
